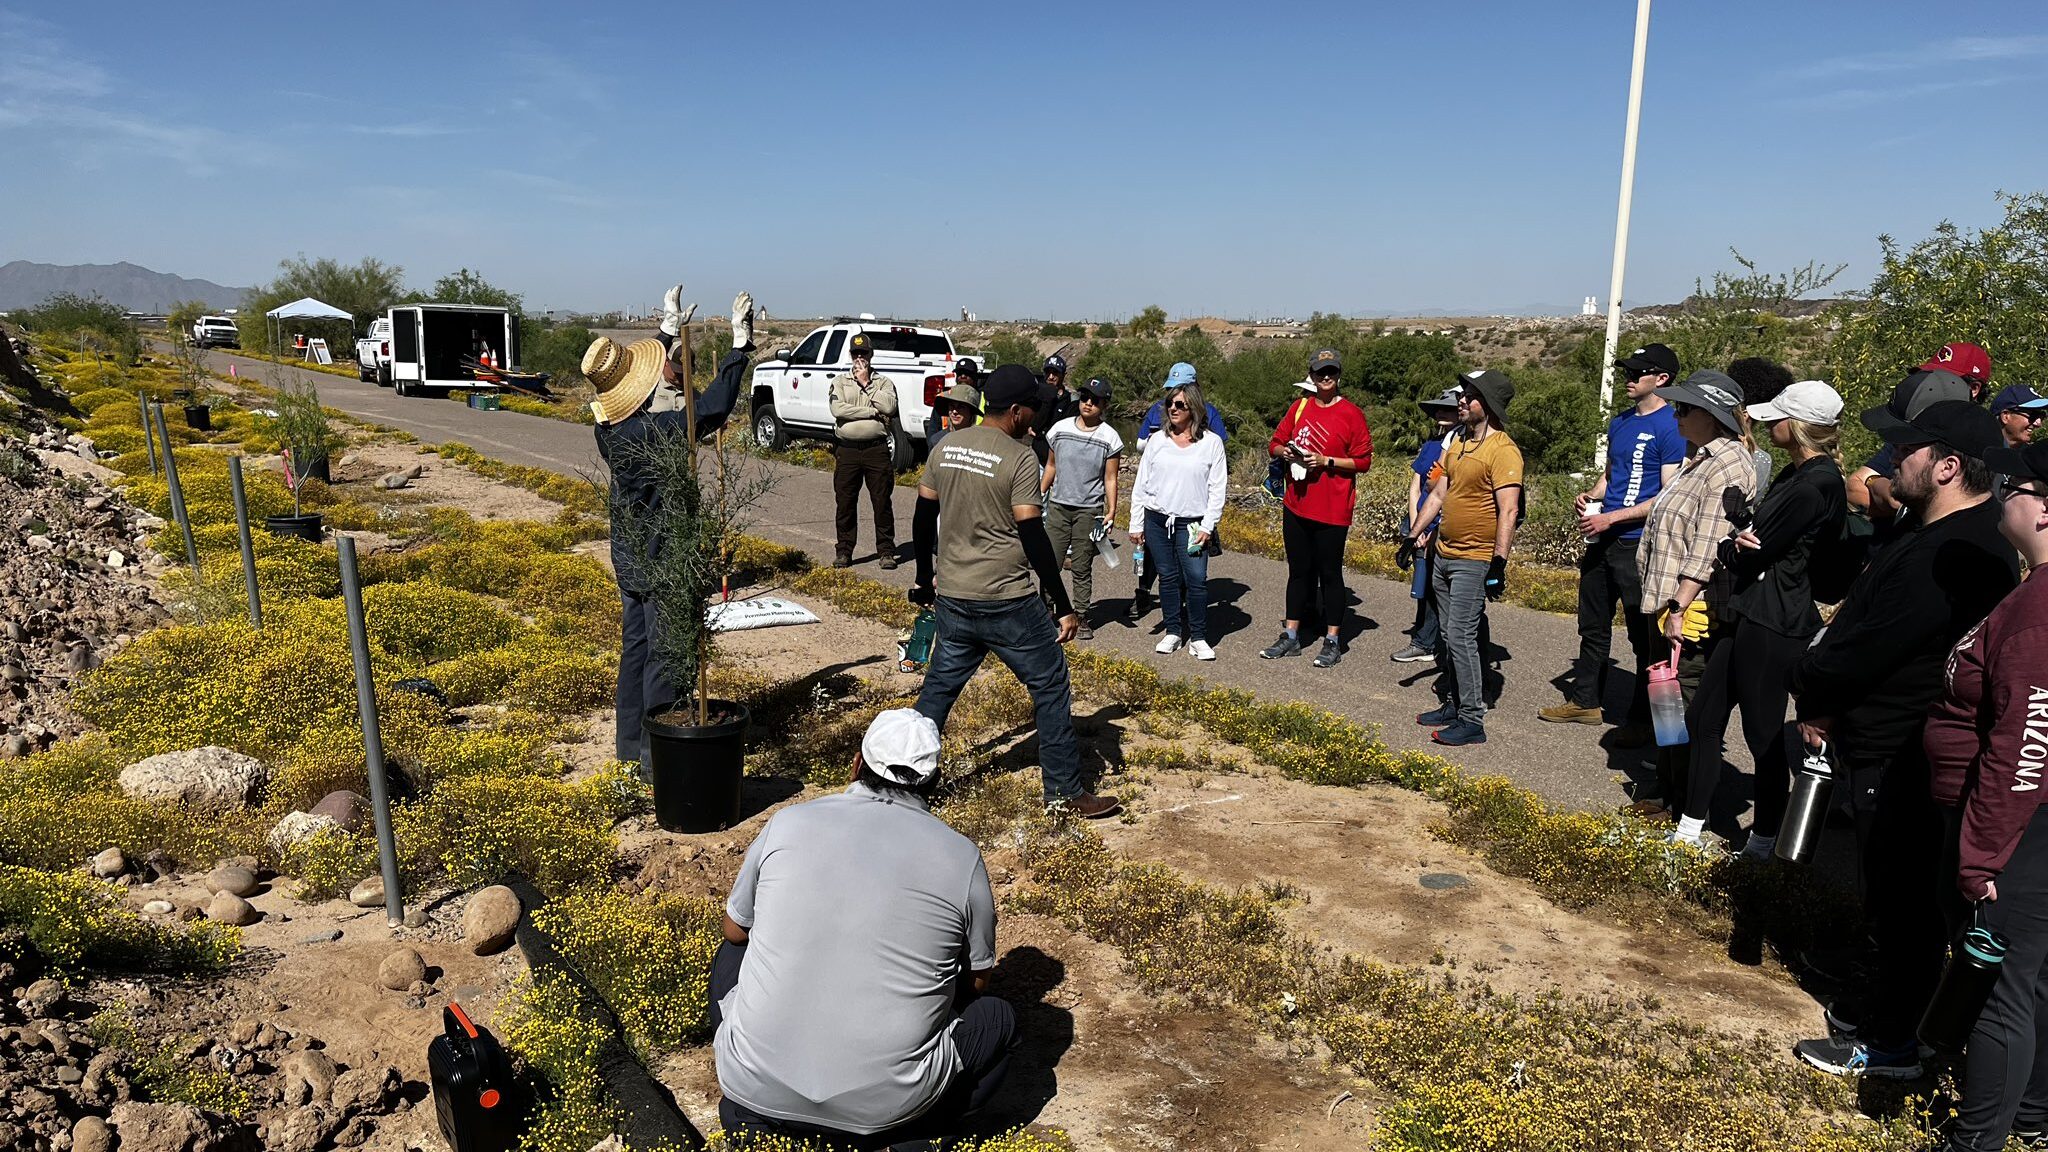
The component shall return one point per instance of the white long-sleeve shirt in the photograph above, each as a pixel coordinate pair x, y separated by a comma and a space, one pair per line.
1186, 483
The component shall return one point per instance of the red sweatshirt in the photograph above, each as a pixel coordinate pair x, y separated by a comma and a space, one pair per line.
1339, 430
1987, 737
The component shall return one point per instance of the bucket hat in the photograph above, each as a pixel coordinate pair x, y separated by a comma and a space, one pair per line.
1714, 392
1495, 390
624, 377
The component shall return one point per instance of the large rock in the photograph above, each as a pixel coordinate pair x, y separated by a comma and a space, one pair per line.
109, 864
91, 1134
163, 1128
210, 778
365, 1089
368, 892
296, 828
229, 908
308, 1077
300, 1129
489, 919
401, 969
350, 812
233, 879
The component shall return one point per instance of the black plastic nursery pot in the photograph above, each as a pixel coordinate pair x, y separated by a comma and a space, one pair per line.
307, 527
696, 770
199, 417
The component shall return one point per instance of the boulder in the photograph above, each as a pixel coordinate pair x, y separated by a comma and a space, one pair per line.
489, 919
41, 997
401, 970
300, 1130
368, 893
350, 812
229, 908
308, 1077
296, 828
395, 480
162, 1128
109, 864
365, 1089
91, 1134
210, 778
233, 879
159, 908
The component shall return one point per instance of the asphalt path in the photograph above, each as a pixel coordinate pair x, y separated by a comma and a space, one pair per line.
1569, 764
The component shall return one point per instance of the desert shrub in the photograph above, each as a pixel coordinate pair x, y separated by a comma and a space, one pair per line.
482, 829
91, 402
76, 921
162, 1076
330, 862
649, 957
60, 807
425, 621
566, 683
87, 322
546, 1022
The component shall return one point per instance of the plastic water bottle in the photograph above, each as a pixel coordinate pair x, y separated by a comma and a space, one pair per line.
1807, 810
1104, 546
1667, 703
1973, 965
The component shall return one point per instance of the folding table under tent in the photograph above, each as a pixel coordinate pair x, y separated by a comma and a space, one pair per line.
306, 308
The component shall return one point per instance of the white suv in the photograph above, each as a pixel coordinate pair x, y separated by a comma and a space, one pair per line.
790, 395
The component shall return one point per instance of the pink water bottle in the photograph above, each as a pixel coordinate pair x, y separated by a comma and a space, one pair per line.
1667, 703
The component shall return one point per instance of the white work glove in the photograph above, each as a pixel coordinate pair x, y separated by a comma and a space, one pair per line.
743, 320
672, 315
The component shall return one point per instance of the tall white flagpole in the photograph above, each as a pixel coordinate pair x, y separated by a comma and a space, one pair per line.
1628, 184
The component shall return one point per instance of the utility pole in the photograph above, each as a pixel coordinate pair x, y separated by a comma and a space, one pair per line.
1628, 183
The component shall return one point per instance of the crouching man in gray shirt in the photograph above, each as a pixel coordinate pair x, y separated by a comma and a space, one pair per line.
858, 925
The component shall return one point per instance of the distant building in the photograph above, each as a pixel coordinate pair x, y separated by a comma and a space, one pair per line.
1591, 307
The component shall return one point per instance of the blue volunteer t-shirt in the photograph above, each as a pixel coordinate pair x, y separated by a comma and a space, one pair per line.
1638, 448
1432, 451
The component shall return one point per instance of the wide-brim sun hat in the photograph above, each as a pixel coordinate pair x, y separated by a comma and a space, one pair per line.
964, 394
624, 377
1710, 391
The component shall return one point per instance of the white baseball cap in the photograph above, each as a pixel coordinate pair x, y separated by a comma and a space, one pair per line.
902, 744
1809, 400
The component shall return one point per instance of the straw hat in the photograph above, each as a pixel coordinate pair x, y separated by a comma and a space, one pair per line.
624, 377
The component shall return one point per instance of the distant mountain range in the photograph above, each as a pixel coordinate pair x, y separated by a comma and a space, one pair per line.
24, 284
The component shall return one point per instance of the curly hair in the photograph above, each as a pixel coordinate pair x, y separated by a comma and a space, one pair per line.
1761, 378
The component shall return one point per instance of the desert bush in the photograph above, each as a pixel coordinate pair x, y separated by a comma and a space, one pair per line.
649, 956
87, 322
482, 829
76, 922
60, 807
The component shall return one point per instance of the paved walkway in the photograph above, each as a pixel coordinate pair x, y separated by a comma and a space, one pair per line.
1565, 763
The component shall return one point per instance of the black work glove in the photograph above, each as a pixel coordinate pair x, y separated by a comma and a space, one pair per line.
921, 595
1404, 556
1497, 578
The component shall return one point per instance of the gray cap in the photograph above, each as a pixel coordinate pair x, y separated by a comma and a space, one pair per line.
1716, 392
1918, 392
1448, 398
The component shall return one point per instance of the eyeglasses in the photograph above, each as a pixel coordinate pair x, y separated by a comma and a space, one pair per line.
2010, 486
1178, 406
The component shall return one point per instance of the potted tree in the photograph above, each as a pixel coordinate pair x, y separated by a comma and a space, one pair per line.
685, 538
302, 430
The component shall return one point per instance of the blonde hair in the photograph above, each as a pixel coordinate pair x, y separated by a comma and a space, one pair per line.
1816, 439
1198, 409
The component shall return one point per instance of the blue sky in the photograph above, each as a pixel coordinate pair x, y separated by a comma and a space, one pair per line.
1052, 160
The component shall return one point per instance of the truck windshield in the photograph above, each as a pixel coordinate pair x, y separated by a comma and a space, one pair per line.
910, 342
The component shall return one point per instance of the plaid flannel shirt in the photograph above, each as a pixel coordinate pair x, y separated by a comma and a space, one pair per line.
1687, 523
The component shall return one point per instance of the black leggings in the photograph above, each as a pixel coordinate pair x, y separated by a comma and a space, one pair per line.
2005, 1078
1751, 668
1315, 560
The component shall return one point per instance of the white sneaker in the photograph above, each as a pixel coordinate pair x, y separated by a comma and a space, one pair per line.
743, 320
1170, 643
1201, 650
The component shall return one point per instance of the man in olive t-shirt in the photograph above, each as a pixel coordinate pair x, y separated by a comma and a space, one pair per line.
987, 546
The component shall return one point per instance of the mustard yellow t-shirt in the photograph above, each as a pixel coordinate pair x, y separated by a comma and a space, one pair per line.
1476, 469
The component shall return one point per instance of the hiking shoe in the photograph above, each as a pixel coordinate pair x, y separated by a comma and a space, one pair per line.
1570, 713
1634, 734
1168, 644
1086, 805
1084, 632
1200, 650
1459, 734
1413, 654
1440, 715
842, 561
1856, 1058
887, 562
1648, 808
1332, 652
1282, 648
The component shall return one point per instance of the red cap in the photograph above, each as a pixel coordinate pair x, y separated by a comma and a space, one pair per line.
1965, 360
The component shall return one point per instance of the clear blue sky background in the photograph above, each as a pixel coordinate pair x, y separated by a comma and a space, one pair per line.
1054, 160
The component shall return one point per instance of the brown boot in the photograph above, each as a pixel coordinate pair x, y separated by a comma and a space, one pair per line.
1570, 713
1086, 805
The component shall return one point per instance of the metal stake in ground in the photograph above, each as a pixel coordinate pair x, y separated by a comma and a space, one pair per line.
373, 743
177, 493
148, 432
248, 548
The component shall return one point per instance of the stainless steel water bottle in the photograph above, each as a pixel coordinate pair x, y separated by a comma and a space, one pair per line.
1974, 962
1806, 812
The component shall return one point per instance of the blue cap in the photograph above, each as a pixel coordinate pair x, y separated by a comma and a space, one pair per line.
1180, 375
2017, 396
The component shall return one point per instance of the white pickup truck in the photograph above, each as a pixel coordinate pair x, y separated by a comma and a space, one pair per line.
790, 394
216, 332
373, 352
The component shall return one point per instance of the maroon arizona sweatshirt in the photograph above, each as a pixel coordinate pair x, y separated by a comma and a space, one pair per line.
1987, 737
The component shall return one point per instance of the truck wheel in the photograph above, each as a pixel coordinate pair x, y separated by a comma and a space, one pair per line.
362, 374
769, 431
383, 375
902, 451
403, 387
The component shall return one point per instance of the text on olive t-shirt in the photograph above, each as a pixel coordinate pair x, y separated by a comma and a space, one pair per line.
981, 474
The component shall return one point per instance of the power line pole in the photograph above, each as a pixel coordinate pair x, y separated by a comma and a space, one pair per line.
1628, 184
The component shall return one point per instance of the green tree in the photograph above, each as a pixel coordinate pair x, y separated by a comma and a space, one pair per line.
1988, 287
363, 290
1741, 314
463, 286
1555, 419
1105, 331
1151, 321
1013, 348
89, 322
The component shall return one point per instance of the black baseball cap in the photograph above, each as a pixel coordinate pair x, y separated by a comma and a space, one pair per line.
1056, 363
2027, 462
966, 367
1013, 384
1651, 358
1957, 423
860, 345
1325, 358
1096, 387
1919, 391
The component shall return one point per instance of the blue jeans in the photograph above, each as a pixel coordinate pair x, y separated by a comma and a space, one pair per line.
643, 688
1183, 579
1021, 634
1460, 587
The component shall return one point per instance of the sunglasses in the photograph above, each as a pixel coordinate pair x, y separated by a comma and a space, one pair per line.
2030, 415
1178, 406
1680, 408
2010, 486
1326, 374
1088, 399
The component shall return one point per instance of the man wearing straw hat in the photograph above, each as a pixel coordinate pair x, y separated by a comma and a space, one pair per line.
640, 398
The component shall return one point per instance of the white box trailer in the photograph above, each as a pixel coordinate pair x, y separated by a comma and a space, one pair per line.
432, 345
